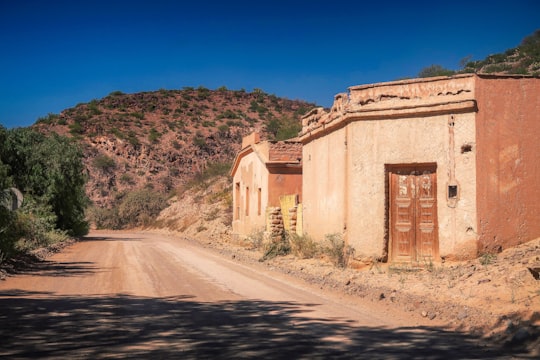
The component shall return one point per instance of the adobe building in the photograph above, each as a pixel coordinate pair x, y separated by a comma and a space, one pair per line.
266, 175
424, 169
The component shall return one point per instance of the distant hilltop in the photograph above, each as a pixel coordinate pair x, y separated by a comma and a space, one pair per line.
162, 139
521, 60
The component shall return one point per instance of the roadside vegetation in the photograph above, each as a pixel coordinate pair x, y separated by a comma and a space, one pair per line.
332, 249
138, 208
49, 177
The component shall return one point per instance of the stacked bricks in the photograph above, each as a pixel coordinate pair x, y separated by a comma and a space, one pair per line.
274, 228
293, 216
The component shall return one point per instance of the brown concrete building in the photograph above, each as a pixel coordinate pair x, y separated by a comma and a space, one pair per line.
423, 169
262, 172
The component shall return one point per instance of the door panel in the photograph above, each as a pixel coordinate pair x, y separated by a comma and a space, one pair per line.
403, 215
426, 234
413, 213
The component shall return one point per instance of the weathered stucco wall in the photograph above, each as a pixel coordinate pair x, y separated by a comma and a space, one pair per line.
508, 137
323, 183
373, 144
347, 151
252, 175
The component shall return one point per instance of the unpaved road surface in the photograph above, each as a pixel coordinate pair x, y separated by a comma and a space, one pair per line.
140, 295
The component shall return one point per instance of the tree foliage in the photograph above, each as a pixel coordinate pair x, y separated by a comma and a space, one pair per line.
50, 173
283, 128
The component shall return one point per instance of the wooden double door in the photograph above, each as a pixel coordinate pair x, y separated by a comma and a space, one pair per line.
413, 213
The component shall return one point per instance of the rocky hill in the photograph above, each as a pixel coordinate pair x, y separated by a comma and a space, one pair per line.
521, 60
161, 140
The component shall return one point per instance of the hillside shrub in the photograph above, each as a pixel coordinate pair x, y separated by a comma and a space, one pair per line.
212, 170
127, 179
49, 119
435, 70
76, 128
133, 139
93, 108
154, 135
137, 115
103, 163
141, 207
104, 218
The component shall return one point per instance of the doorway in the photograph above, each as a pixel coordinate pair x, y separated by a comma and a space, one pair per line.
412, 204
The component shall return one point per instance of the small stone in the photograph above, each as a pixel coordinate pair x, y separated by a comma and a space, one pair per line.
424, 314
462, 315
483, 281
432, 316
381, 296
348, 282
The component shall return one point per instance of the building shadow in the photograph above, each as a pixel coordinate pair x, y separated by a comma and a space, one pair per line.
42, 325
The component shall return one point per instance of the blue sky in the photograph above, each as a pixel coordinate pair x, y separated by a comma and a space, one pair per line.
56, 54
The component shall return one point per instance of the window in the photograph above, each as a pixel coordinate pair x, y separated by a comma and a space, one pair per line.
237, 201
247, 200
259, 202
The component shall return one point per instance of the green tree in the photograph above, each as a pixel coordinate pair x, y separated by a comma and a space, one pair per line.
50, 171
283, 128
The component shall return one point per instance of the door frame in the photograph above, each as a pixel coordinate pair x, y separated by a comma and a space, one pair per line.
407, 167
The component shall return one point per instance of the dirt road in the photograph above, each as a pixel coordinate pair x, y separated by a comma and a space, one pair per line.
140, 295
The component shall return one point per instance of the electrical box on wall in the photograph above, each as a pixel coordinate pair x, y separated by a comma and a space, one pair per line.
452, 195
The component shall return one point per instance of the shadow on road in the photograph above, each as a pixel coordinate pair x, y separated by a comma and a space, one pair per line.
31, 265
42, 325
107, 238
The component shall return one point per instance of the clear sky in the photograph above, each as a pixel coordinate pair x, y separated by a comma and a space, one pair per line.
55, 54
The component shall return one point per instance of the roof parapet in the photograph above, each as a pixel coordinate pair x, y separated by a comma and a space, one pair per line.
403, 98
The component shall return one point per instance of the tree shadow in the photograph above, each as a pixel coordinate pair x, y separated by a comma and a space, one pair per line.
42, 325
107, 238
32, 265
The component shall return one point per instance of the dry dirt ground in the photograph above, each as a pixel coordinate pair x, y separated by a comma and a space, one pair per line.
496, 297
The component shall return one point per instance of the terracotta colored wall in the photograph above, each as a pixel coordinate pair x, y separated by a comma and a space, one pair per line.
508, 158
283, 184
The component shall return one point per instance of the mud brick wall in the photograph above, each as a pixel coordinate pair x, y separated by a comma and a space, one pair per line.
274, 225
285, 151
